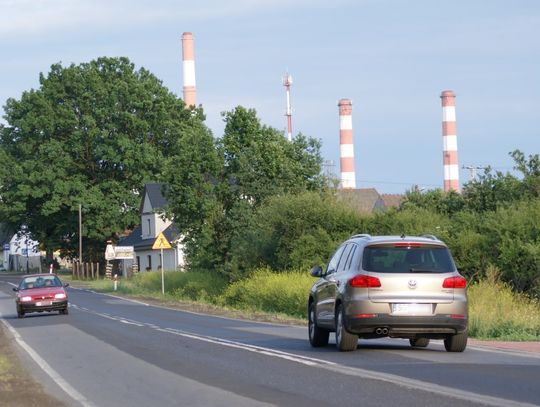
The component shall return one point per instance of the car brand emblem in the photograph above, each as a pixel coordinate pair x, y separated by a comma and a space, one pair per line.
412, 284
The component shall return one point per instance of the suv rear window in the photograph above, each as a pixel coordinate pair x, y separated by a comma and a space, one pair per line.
399, 258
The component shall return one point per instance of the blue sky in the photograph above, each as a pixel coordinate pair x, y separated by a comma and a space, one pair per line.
391, 57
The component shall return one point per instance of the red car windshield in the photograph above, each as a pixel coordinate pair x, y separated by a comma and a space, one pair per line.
40, 282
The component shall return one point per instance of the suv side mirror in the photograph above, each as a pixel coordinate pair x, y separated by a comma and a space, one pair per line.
316, 271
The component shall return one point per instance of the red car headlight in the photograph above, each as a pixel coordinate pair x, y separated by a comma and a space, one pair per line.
26, 298
60, 296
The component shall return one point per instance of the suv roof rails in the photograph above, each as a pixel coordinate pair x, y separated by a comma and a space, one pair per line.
428, 236
362, 235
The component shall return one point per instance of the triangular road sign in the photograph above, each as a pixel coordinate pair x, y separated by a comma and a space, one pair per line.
161, 243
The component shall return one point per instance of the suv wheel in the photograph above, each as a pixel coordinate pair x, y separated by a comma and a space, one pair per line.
419, 342
345, 341
318, 337
456, 343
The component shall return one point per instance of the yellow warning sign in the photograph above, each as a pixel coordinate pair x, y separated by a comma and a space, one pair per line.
161, 243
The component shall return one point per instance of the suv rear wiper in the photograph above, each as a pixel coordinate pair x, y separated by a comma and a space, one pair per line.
415, 270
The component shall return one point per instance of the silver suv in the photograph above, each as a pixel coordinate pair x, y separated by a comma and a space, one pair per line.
397, 286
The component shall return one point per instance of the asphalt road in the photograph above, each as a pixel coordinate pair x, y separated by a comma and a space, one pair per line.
114, 352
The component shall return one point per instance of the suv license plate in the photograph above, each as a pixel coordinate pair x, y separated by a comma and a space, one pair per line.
411, 309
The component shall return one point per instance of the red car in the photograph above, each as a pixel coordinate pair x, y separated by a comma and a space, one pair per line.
41, 292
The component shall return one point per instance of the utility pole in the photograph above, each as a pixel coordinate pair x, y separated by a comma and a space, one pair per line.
80, 233
472, 170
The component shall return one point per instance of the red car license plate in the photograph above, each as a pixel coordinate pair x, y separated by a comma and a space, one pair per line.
43, 303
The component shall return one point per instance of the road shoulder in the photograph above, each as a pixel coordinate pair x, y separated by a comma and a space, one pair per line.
18, 388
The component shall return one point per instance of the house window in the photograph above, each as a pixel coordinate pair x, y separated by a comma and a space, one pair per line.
138, 263
149, 227
149, 262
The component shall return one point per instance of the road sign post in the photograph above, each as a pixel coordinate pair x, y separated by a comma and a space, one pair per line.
162, 243
109, 255
162, 274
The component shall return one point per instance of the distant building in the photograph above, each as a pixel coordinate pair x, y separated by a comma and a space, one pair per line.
19, 251
153, 223
392, 200
368, 200
364, 200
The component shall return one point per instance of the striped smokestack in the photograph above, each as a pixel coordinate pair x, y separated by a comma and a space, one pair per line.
348, 177
188, 62
450, 153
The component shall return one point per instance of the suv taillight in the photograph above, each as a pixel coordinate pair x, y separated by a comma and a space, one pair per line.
454, 282
363, 281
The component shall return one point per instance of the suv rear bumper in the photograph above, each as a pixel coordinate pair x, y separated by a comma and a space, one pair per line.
407, 326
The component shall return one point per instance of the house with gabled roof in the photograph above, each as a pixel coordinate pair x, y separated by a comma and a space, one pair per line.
392, 200
368, 200
19, 252
363, 200
153, 222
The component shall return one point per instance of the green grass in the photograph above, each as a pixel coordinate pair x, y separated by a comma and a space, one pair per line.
495, 311
192, 286
282, 293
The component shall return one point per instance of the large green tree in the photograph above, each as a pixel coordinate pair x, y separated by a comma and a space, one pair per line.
254, 162
91, 134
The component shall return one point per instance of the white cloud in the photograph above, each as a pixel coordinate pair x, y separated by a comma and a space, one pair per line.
31, 17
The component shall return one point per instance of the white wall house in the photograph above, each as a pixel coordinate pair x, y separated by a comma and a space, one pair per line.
21, 253
142, 238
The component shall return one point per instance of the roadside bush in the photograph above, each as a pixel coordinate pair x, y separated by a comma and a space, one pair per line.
410, 221
298, 231
264, 290
515, 233
196, 286
497, 312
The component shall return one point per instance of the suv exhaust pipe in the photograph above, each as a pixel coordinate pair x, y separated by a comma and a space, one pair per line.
381, 331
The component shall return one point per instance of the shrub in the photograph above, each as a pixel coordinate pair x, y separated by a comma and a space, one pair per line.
264, 290
497, 312
295, 231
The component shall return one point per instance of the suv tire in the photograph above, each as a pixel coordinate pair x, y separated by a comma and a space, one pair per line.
345, 341
456, 343
318, 337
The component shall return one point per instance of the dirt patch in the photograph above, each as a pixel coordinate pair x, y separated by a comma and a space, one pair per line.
17, 387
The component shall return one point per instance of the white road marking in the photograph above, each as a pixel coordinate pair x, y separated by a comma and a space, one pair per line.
110, 295
313, 362
338, 368
126, 321
505, 351
53, 374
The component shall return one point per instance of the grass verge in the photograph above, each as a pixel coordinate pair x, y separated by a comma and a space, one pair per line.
495, 311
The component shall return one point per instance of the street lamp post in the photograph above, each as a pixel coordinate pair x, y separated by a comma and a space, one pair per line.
27, 268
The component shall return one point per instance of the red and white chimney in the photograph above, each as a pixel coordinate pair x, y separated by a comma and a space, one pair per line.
188, 65
348, 176
450, 150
